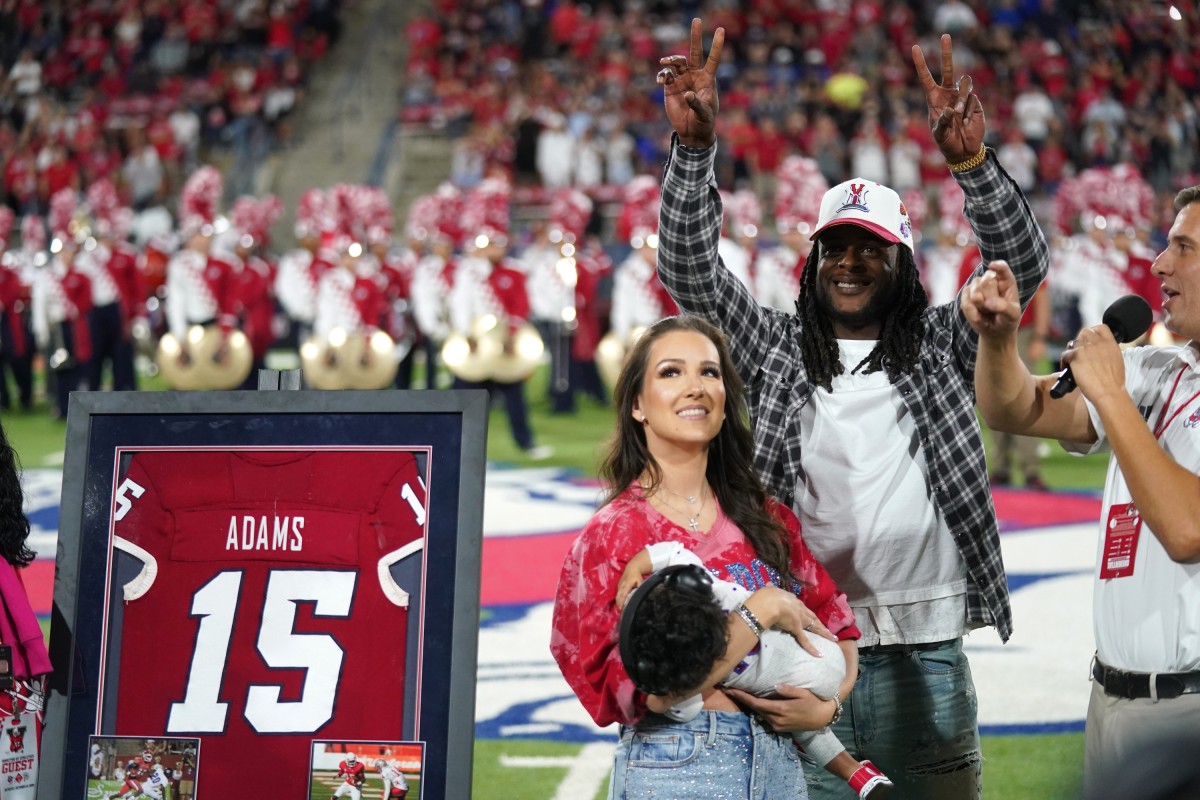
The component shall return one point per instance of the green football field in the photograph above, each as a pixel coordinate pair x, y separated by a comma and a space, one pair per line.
1046, 767
326, 783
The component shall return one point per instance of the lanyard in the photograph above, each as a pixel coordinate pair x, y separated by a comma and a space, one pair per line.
1160, 424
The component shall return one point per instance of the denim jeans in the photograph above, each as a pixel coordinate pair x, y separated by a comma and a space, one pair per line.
719, 755
914, 714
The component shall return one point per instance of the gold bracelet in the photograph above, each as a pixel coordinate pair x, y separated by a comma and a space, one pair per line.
971, 163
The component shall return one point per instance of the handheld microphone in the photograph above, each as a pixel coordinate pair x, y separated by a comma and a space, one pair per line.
1128, 318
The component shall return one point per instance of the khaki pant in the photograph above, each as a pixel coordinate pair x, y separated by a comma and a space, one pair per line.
1141, 749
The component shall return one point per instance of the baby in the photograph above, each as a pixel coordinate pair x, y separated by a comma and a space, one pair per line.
673, 636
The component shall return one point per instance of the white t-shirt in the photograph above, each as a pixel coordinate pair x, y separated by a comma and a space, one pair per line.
1150, 621
869, 514
1034, 111
26, 77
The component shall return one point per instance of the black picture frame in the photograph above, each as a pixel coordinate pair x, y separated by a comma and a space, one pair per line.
450, 427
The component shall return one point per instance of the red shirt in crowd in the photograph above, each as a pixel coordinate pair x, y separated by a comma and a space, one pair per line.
60, 174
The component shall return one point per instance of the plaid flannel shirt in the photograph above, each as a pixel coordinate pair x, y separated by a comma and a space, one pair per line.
940, 393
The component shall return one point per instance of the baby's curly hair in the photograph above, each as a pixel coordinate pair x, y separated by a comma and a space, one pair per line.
676, 638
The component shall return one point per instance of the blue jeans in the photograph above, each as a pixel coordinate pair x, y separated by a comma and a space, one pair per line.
914, 714
719, 755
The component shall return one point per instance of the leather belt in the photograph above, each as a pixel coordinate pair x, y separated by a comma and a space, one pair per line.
1136, 685
905, 649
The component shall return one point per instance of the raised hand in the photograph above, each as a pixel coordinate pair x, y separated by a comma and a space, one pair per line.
690, 89
990, 302
955, 113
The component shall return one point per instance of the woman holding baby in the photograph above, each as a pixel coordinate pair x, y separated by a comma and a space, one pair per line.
679, 469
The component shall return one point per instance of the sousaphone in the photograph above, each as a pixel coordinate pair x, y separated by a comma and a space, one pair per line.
490, 353
349, 361
208, 358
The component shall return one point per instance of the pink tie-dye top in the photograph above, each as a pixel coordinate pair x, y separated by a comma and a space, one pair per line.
584, 636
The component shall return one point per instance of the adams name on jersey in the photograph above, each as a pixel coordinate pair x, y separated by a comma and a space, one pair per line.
265, 614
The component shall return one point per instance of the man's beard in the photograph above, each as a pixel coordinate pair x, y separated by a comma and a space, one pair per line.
874, 312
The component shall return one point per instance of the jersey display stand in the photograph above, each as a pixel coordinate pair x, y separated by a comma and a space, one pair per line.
260, 571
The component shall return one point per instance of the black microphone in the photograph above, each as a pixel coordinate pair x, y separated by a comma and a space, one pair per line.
1128, 318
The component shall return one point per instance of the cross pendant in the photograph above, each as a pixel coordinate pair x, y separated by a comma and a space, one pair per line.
693, 524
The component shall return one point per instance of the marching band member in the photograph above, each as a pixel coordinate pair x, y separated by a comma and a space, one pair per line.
62, 300
396, 266
254, 282
799, 188
1104, 262
347, 349
16, 335
1124, 269
489, 283
593, 266
118, 292
553, 283
200, 286
638, 298
548, 299
301, 267
349, 296
431, 219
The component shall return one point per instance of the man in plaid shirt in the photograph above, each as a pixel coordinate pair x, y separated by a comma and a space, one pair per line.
862, 406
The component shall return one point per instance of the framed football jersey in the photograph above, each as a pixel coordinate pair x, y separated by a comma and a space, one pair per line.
258, 571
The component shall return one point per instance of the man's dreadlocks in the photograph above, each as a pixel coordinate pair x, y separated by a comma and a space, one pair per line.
899, 338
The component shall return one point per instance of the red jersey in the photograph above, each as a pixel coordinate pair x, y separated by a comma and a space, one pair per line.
265, 614
583, 638
356, 773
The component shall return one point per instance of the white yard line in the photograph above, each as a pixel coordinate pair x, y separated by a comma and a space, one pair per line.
586, 771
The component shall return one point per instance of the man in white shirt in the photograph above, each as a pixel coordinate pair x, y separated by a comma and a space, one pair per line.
1144, 404
25, 76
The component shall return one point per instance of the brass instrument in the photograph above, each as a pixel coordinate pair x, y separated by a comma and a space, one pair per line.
1159, 336
562, 330
610, 354
349, 361
206, 359
489, 353
60, 357
402, 328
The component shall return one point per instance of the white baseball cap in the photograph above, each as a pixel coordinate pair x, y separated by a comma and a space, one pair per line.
869, 205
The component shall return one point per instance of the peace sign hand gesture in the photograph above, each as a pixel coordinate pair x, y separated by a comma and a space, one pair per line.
690, 90
955, 113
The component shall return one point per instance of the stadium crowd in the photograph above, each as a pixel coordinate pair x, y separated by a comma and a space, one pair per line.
548, 215
1076, 84
133, 91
